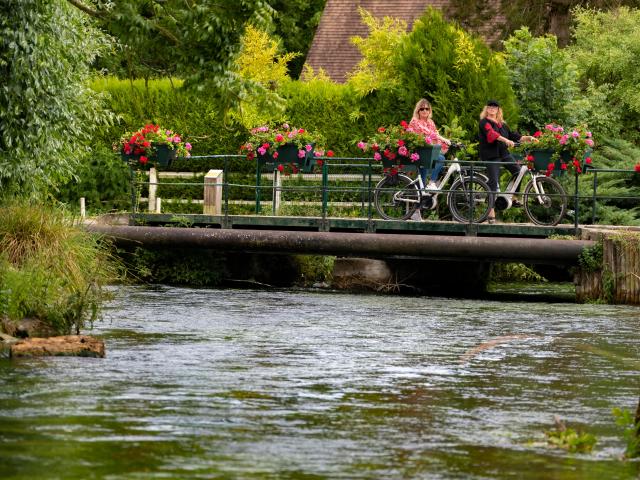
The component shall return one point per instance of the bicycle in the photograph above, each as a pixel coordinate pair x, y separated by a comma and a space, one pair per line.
544, 198
397, 196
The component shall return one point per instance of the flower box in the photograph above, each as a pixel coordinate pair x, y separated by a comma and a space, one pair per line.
288, 154
427, 155
285, 148
152, 145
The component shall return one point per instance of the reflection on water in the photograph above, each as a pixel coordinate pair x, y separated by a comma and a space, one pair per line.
264, 384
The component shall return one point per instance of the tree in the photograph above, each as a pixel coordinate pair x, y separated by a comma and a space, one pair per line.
540, 16
606, 51
295, 22
542, 76
453, 69
47, 111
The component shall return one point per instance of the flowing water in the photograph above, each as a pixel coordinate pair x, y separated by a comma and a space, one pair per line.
250, 384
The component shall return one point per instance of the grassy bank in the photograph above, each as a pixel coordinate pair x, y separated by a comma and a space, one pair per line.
50, 270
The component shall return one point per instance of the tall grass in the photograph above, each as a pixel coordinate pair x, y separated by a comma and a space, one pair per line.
50, 269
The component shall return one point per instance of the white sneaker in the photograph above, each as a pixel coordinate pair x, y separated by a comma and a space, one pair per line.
431, 186
417, 216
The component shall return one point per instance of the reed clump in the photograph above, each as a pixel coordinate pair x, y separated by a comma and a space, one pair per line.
50, 269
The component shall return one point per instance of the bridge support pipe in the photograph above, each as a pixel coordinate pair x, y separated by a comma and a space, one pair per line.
372, 245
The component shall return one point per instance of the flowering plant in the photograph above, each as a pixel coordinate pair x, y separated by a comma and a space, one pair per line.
143, 144
264, 142
397, 144
570, 147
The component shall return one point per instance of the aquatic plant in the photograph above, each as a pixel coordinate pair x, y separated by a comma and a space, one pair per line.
574, 441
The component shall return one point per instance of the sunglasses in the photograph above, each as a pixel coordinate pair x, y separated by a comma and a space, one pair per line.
427, 109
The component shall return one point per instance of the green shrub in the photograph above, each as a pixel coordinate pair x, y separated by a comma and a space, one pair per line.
49, 268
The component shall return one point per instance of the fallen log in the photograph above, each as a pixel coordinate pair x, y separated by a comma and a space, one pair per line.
68, 345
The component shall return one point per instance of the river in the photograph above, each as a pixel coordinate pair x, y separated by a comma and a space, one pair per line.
252, 384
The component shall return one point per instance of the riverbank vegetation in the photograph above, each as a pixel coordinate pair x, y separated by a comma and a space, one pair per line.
50, 269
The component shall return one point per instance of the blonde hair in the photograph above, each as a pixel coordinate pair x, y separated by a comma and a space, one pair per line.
423, 102
499, 117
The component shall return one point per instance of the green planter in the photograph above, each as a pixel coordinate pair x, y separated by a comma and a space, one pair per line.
164, 155
288, 153
542, 158
428, 154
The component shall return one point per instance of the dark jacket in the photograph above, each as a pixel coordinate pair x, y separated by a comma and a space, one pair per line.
490, 147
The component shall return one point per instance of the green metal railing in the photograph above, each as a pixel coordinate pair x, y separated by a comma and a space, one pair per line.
369, 172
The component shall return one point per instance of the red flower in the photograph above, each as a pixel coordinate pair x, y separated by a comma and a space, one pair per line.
404, 124
319, 162
301, 130
563, 166
381, 130
400, 142
587, 160
143, 160
637, 167
275, 155
537, 134
280, 168
530, 158
330, 153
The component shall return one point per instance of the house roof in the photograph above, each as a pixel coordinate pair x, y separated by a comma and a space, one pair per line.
332, 49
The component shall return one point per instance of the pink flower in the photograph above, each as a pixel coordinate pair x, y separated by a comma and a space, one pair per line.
589, 142
575, 134
275, 155
362, 146
415, 157
187, 146
377, 157
262, 150
563, 139
588, 134
403, 151
301, 153
176, 139
308, 148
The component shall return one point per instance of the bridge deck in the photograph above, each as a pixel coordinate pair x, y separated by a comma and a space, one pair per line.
354, 225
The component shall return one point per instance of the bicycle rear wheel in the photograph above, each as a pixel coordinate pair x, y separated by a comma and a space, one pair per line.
469, 200
396, 197
548, 204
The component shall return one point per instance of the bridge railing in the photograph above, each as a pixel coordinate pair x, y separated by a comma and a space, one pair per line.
342, 183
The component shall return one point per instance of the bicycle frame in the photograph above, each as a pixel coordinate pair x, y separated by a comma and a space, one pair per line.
453, 169
515, 182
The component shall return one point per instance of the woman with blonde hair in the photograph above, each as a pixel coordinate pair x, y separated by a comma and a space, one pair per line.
495, 140
424, 124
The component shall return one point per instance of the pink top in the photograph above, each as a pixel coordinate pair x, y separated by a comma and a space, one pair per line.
428, 128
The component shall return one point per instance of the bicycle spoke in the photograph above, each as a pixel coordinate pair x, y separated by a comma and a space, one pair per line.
396, 197
469, 200
545, 201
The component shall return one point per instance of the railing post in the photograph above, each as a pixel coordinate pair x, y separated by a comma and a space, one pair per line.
258, 175
575, 205
277, 191
595, 188
225, 191
213, 192
153, 188
83, 208
325, 186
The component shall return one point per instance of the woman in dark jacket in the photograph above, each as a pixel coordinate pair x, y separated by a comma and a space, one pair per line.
495, 140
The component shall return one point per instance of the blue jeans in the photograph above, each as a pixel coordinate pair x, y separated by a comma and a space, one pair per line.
435, 172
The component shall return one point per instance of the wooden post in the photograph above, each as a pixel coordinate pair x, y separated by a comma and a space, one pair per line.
277, 191
213, 192
153, 187
83, 210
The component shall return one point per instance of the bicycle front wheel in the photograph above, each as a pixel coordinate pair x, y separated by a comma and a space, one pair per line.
545, 201
469, 200
396, 197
